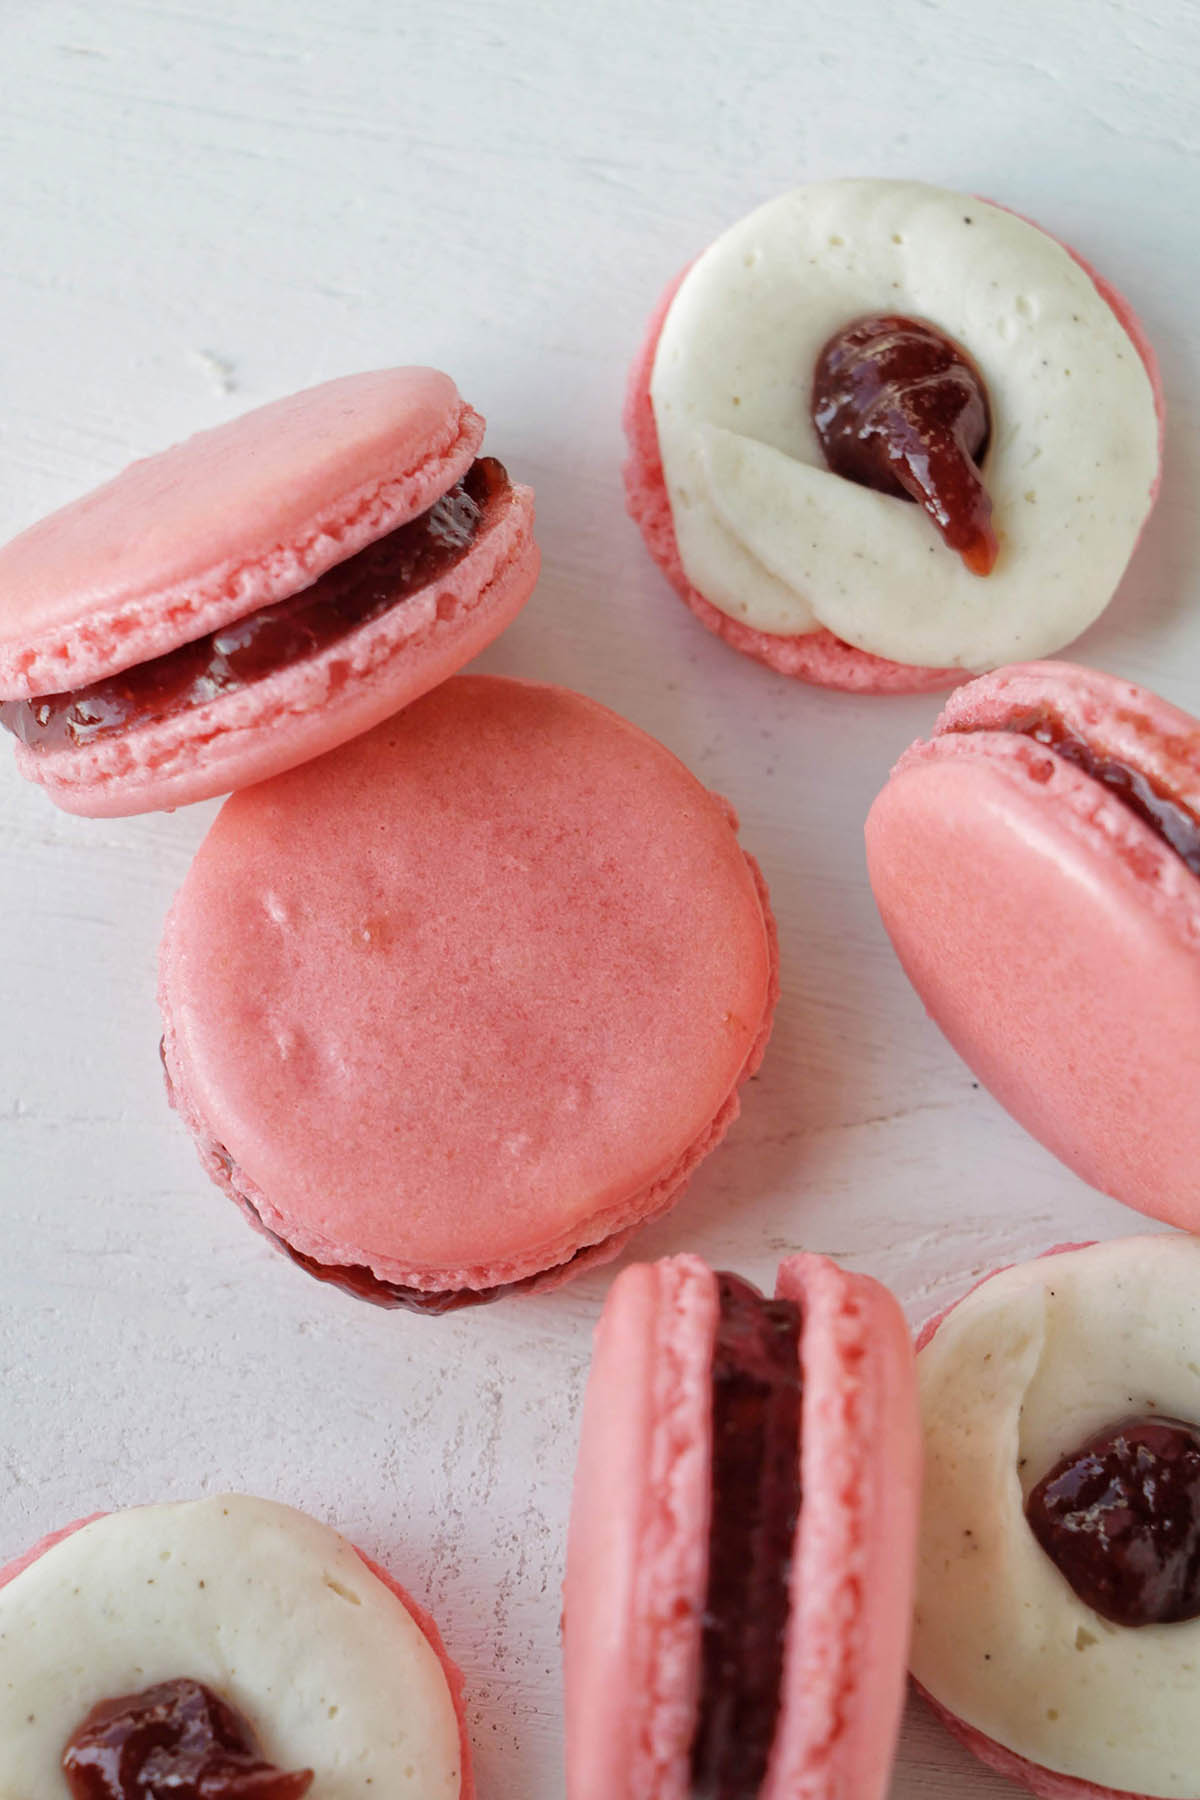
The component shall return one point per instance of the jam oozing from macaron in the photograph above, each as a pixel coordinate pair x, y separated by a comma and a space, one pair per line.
383, 575
1120, 1519
176, 1739
901, 408
364, 1284
756, 1395
1167, 817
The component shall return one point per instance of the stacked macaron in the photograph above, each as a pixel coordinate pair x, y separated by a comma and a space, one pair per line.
739, 1564
1045, 842
258, 594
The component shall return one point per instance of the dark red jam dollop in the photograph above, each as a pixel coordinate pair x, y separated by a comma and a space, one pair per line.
350, 594
1120, 1519
176, 1741
1178, 827
756, 1504
901, 408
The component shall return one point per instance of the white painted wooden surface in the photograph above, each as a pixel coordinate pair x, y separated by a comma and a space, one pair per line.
203, 206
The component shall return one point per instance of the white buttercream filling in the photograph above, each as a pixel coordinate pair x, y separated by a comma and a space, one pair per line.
770, 536
274, 1612
1020, 1374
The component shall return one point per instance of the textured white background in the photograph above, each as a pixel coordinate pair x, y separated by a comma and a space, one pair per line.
203, 206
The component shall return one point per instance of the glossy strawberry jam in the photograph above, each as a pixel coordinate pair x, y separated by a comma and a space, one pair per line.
1120, 1519
175, 1741
899, 407
756, 1398
349, 595
1168, 818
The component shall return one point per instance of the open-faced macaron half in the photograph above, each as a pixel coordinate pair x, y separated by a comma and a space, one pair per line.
228, 1645
740, 1553
258, 594
1037, 866
453, 1009
1057, 1627
853, 347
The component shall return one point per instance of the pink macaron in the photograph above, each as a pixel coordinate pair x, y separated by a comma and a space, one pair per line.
258, 594
1057, 1615
453, 1009
1037, 866
726, 361
740, 1553
223, 1640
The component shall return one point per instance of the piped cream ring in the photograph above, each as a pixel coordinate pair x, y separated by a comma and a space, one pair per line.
273, 1611
773, 539
1019, 1374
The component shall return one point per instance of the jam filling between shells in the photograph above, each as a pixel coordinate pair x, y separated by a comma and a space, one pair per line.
756, 1397
901, 408
351, 594
363, 1284
1168, 818
1120, 1520
176, 1741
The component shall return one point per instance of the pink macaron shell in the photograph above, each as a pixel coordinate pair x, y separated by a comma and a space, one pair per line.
818, 657
1052, 935
471, 994
1043, 1782
637, 1545
854, 1567
423, 1620
610, 1232
309, 706
232, 519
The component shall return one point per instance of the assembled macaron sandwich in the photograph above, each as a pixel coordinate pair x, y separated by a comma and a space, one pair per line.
1037, 866
225, 1646
1057, 1624
740, 1553
857, 346
453, 1009
258, 594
